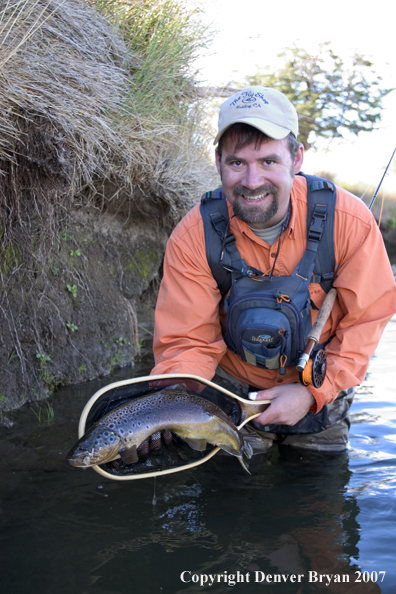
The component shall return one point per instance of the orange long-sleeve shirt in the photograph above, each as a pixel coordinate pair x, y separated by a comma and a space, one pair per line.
189, 315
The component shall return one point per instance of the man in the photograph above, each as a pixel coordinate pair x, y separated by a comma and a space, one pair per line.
257, 158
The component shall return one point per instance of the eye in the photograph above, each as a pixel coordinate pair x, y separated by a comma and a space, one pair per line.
269, 162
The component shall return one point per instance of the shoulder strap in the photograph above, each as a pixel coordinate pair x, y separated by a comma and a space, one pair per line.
321, 201
221, 251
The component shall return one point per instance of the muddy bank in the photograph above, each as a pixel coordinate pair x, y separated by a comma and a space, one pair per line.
74, 315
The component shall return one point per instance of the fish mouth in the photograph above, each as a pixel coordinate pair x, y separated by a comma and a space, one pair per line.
82, 463
87, 459
81, 460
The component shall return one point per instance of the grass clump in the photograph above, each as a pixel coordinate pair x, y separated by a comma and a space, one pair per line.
98, 103
168, 38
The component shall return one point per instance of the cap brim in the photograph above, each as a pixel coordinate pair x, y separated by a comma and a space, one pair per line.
272, 130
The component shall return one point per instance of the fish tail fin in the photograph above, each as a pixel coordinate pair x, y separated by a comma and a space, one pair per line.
246, 454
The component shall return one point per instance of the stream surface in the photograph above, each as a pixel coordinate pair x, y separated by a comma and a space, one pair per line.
70, 531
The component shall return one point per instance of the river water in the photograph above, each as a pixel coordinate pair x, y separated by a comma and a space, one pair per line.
298, 524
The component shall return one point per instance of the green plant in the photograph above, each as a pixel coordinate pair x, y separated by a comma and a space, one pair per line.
167, 37
50, 381
72, 327
115, 359
116, 356
43, 358
46, 411
72, 289
391, 221
75, 253
3, 398
65, 235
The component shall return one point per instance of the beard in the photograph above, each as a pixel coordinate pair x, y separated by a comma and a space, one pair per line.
253, 214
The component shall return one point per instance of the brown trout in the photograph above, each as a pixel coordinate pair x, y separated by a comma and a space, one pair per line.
195, 420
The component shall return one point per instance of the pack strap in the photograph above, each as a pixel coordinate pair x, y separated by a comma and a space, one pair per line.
315, 232
223, 255
318, 262
321, 201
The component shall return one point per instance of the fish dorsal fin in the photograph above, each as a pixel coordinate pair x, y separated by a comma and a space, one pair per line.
129, 455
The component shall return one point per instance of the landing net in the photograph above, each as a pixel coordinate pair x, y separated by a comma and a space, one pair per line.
165, 450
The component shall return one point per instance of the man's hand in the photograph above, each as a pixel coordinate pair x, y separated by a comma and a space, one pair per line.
289, 404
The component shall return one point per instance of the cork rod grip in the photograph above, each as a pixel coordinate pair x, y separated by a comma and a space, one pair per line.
323, 315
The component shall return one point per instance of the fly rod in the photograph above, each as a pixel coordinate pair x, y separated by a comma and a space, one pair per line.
382, 179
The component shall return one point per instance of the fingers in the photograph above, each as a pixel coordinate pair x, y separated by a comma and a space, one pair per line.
289, 404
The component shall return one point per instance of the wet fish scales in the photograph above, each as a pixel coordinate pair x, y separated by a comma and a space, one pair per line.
124, 429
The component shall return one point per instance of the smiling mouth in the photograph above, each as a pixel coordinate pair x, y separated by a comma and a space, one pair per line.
255, 198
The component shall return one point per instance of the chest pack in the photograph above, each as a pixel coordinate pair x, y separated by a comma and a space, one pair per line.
268, 316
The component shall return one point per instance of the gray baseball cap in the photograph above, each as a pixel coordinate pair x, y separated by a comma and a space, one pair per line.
266, 109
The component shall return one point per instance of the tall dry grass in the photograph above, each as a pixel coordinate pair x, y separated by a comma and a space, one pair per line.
98, 103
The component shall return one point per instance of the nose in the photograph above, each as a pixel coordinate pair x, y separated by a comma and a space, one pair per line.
253, 177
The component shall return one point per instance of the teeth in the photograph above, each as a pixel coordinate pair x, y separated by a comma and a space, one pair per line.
254, 198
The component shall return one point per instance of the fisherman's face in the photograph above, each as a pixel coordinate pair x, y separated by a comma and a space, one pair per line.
258, 181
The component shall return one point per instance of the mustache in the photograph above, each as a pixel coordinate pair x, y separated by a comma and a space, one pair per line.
264, 189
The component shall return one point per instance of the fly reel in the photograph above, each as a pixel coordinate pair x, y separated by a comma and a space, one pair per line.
314, 372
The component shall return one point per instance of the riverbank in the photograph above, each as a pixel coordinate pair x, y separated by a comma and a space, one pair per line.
101, 153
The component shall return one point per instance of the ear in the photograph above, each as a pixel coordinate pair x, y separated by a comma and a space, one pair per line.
298, 161
218, 165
